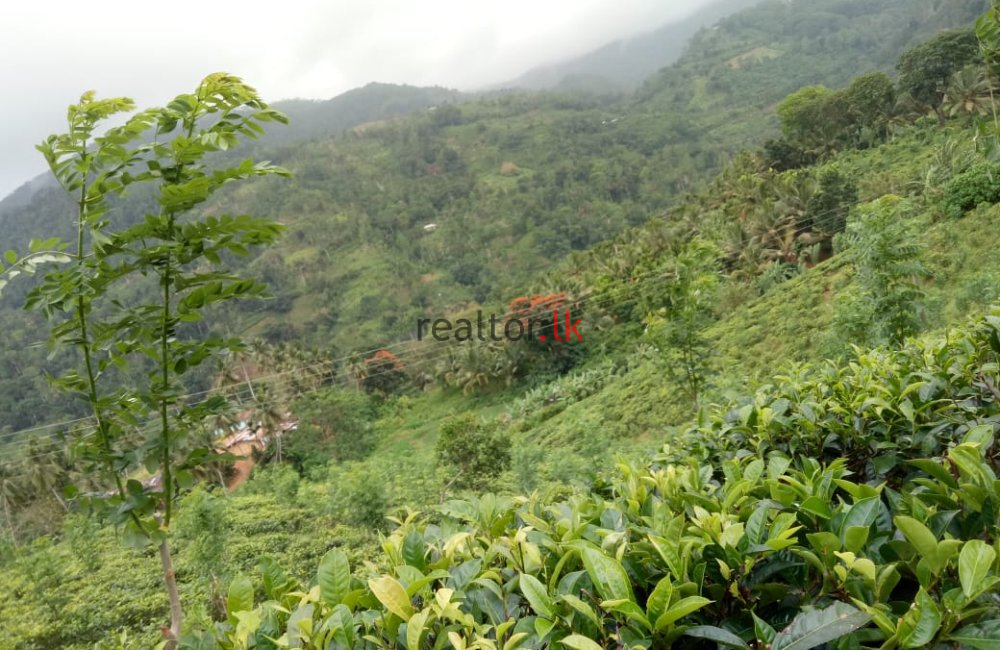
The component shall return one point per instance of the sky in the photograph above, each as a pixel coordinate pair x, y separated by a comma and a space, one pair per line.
53, 50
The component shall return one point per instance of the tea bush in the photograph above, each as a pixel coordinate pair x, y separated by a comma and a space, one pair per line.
980, 184
853, 506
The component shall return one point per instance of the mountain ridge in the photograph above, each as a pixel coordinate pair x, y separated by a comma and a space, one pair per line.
621, 65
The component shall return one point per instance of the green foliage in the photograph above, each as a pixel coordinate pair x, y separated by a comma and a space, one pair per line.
81, 533
988, 33
202, 528
791, 413
970, 92
871, 102
814, 512
816, 119
679, 327
978, 185
52, 597
587, 169
475, 452
813, 117
334, 425
568, 389
781, 155
359, 496
752, 540
281, 481
885, 306
174, 250
145, 424
926, 70
39, 254
836, 194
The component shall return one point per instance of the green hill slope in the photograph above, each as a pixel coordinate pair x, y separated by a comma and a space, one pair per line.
563, 434
513, 184
587, 494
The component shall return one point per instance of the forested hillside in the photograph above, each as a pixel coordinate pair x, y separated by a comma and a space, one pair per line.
512, 182
778, 429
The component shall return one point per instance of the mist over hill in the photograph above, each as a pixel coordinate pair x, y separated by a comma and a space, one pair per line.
374, 102
776, 426
622, 65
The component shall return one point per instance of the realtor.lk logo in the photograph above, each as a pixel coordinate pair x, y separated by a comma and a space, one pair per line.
514, 329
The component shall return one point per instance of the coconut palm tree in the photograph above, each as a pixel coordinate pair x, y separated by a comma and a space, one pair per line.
270, 414
969, 93
12, 494
47, 473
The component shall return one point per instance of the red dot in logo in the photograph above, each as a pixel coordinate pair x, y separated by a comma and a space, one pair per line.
541, 338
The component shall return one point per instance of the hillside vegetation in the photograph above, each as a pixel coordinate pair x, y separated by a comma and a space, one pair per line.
779, 429
513, 182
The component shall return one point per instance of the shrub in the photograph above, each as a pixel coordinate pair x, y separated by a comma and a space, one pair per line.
281, 480
358, 497
980, 184
475, 451
201, 531
886, 301
334, 424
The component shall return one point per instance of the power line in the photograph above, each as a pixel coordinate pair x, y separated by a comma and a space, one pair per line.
421, 356
431, 353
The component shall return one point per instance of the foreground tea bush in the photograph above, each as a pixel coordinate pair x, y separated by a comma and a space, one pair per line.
854, 506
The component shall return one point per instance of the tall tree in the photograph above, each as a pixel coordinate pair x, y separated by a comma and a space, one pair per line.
679, 327
870, 100
181, 251
809, 119
884, 306
926, 70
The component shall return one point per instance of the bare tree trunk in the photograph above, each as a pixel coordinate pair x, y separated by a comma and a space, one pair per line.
940, 116
55, 493
444, 490
170, 580
10, 525
246, 376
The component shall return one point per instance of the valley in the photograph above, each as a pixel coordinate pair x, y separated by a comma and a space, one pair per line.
775, 426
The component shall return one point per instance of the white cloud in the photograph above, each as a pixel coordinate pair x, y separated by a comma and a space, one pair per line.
52, 50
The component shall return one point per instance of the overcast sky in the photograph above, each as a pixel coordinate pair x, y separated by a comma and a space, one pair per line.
52, 50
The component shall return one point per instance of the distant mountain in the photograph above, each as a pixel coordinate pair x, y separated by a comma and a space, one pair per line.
622, 65
373, 102
21, 197
309, 120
